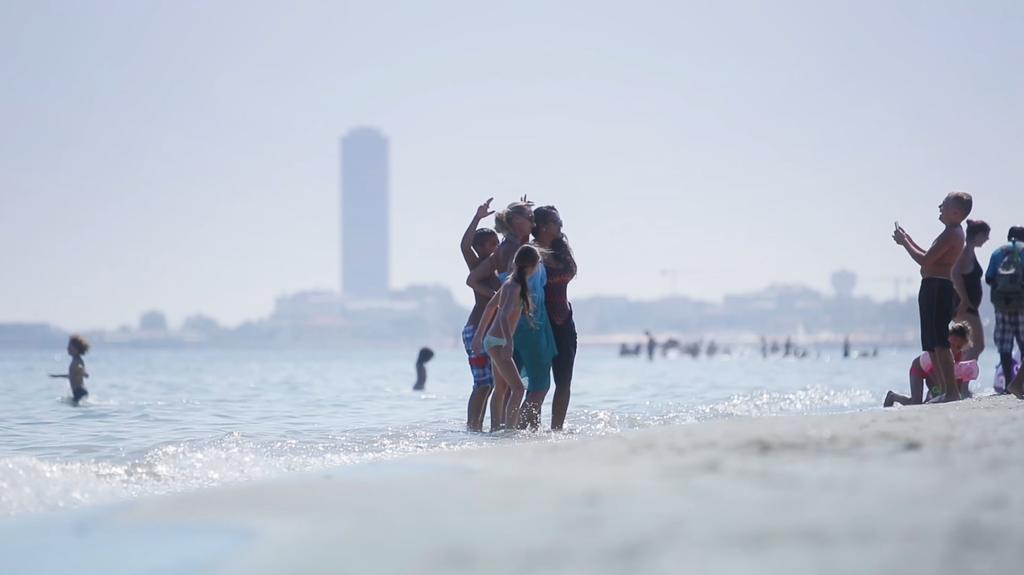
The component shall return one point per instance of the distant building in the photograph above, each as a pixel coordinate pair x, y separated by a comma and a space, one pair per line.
322, 318
364, 214
201, 325
40, 335
843, 282
307, 308
153, 321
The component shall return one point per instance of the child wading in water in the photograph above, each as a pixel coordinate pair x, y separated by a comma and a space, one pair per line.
477, 245
499, 322
77, 347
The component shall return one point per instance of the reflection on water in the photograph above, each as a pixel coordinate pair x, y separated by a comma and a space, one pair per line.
162, 421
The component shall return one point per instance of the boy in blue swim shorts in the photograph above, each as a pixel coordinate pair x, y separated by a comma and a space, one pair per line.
477, 245
479, 363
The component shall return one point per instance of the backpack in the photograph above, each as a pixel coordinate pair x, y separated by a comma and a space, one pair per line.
1008, 286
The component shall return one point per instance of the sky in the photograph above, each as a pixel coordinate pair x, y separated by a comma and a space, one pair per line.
183, 156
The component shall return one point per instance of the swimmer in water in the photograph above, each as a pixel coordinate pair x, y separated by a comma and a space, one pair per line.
77, 347
426, 354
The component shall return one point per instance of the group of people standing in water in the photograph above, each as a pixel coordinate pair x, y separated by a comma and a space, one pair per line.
521, 325
951, 289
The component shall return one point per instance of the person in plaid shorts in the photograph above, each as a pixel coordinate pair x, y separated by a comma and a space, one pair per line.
477, 245
1005, 274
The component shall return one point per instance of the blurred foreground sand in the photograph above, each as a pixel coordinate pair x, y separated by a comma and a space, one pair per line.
865, 492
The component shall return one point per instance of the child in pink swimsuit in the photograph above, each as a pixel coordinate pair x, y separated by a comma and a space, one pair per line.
922, 368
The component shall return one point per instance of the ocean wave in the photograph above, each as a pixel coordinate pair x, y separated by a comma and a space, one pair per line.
815, 399
33, 485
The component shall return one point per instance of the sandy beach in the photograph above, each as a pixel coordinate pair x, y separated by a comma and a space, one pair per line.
864, 492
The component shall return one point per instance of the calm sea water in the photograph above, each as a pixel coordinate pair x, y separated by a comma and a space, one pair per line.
160, 421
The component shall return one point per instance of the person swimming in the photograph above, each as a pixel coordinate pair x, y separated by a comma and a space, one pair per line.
425, 355
76, 375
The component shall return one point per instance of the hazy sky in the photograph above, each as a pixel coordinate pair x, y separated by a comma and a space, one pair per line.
184, 155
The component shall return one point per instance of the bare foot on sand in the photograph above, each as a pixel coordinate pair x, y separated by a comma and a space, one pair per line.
889, 401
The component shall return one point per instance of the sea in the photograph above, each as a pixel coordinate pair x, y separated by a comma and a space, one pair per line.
168, 420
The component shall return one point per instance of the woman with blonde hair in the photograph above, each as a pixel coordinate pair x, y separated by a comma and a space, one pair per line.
514, 223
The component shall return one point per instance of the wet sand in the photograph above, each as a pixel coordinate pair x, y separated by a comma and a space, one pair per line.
927, 489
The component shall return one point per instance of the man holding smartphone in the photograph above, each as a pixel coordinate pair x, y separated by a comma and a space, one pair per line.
937, 298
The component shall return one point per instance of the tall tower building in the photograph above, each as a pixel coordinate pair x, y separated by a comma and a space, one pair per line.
364, 214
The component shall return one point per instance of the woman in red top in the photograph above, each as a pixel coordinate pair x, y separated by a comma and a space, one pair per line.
561, 268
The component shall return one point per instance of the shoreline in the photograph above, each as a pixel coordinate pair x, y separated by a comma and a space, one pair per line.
850, 492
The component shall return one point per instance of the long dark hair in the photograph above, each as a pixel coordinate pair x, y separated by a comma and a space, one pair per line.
975, 227
561, 253
527, 257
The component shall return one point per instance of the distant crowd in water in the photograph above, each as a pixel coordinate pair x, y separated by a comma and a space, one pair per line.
520, 331
672, 346
694, 349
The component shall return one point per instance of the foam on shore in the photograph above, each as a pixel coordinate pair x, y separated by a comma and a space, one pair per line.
929, 489
31, 485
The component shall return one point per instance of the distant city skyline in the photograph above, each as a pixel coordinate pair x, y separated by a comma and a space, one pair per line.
185, 158
429, 315
365, 205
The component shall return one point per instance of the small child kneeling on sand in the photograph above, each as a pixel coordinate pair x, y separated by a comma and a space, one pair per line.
922, 369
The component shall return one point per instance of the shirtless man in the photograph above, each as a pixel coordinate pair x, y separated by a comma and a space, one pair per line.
476, 246
937, 297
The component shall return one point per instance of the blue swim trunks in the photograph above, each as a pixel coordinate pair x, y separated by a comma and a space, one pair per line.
479, 363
